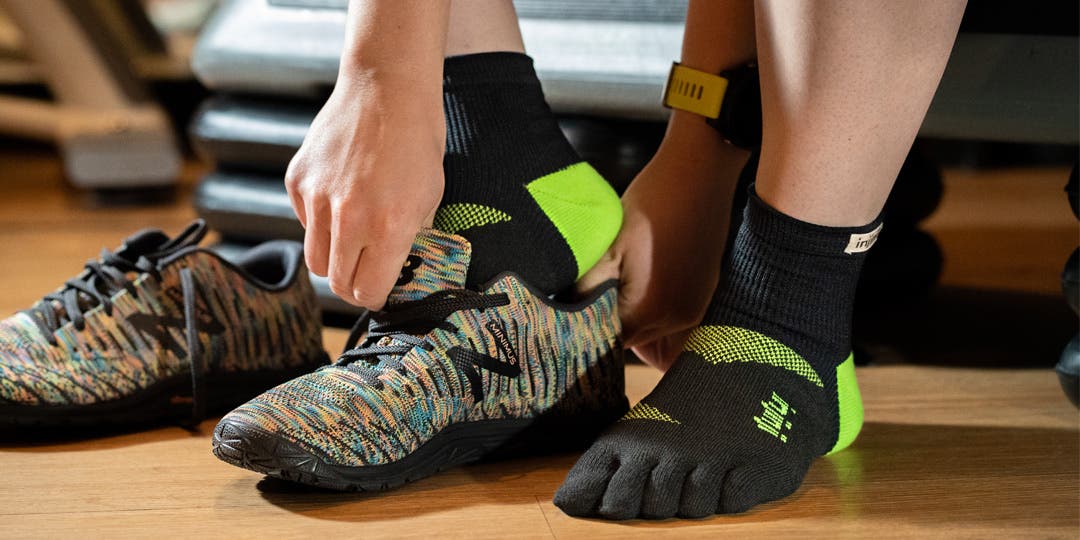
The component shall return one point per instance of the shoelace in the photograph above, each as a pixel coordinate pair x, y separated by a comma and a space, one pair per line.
99, 282
405, 325
105, 277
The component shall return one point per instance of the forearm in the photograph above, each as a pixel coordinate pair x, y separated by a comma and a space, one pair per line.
397, 43
719, 35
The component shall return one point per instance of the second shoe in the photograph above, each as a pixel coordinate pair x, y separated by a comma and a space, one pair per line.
159, 330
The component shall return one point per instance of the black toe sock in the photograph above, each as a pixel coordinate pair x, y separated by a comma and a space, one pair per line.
764, 385
515, 188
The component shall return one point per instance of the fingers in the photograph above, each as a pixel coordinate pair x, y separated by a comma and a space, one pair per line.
297, 203
365, 259
662, 352
377, 270
605, 269
292, 188
345, 248
317, 236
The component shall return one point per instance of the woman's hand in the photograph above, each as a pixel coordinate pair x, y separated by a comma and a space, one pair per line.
667, 256
367, 178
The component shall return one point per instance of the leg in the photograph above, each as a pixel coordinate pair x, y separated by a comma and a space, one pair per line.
455, 348
845, 86
479, 26
766, 384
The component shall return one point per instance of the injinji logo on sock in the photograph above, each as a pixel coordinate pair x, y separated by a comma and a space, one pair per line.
859, 243
773, 419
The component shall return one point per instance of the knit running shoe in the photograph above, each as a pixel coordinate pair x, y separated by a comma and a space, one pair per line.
160, 329
445, 376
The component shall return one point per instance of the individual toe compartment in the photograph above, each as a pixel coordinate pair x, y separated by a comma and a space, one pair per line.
663, 491
701, 491
585, 484
751, 484
622, 499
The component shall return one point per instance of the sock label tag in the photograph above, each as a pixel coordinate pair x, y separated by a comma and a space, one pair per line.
859, 243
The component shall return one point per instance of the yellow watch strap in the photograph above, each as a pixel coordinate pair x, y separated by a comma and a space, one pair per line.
694, 91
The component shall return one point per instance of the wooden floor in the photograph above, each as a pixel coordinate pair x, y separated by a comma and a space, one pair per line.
947, 451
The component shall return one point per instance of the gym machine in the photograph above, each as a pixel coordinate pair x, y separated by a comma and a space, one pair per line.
109, 132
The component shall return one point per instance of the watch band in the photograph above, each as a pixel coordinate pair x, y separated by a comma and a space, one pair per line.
694, 91
729, 102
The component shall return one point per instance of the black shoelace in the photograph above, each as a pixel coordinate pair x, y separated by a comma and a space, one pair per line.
107, 276
405, 325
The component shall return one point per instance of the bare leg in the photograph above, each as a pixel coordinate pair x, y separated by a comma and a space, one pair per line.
482, 26
845, 86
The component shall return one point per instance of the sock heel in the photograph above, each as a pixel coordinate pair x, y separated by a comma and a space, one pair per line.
584, 209
849, 402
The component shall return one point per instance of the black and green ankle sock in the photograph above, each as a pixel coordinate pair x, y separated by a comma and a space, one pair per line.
515, 188
764, 385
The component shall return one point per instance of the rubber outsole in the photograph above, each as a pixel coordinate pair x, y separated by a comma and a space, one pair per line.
166, 401
253, 448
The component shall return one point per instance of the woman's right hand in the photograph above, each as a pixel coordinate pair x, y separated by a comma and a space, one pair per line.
667, 255
367, 178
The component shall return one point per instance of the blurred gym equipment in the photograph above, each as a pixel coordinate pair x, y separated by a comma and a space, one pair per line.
94, 77
109, 132
1068, 367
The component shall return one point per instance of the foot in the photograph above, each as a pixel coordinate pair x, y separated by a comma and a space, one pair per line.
725, 429
763, 386
445, 376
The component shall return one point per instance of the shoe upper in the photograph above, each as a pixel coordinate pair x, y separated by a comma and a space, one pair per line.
501, 353
260, 313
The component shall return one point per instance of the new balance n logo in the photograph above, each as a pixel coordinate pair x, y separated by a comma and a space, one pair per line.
467, 360
157, 327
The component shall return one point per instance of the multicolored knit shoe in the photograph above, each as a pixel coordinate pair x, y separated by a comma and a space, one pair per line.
160, 329
444, 377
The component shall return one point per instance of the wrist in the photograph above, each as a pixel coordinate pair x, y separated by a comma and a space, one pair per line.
696, 144
386, 77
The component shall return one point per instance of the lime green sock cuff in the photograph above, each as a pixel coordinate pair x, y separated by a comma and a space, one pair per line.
583, 207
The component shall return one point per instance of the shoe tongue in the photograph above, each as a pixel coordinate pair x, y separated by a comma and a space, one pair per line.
438, 261
156, 243
144, 241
